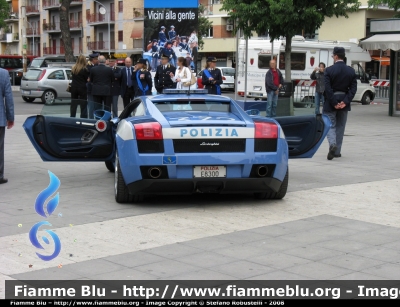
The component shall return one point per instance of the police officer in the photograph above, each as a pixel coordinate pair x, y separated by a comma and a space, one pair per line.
162, 79
212, 77
154, 55
184, 45
162, 38
93, 61
340, 88
172, 33
168, 51
141, 78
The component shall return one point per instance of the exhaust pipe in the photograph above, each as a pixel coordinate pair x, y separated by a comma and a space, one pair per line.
154, 172
262, 171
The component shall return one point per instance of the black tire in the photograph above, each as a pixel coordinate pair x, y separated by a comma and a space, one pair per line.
366, 98
120, 189
28, 99
275, 195
48, 97
110, 166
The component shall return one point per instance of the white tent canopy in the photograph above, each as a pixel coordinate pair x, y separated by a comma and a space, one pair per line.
382, 42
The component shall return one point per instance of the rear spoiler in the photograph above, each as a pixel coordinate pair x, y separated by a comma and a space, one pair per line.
61, 64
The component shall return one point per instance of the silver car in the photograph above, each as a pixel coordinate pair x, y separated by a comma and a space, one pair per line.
228, 78
47, 83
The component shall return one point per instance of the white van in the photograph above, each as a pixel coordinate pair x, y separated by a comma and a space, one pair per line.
306, 55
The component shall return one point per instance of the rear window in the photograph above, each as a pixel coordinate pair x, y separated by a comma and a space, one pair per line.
228, 72
32, 74
37, 63
193, 105
43, 62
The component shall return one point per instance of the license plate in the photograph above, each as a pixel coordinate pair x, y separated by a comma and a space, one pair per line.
212, 171
26, 92
257, 88
230, 85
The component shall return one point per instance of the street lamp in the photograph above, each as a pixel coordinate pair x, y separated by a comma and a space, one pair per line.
33, 38
103, 11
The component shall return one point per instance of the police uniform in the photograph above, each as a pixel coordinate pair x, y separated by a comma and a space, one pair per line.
172, 33
213, 86
154, 55
169, 52
142, 86
162, 38
184, 46
162, 79
340, 86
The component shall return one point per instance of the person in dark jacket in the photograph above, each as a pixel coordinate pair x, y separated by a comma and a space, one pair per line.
79, 77
162, 38
168, 51
162, 79
93, 61
273, 82
318, 75
340, 88
212, 77
172, 33
141, 78
115, 86
102, 78
127, 86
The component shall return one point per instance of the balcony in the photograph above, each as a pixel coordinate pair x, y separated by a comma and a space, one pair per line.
50, 4
32, 31
100, 45
51, 27
31, 10
214, 9
138, 13
98, 18
76, 2
75, 25
13, 17
53, 50
30, 52
15, 37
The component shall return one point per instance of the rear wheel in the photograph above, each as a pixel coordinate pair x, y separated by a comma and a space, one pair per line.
28, 99
110, 166
48, 97
120, 189
366, 99
275, 195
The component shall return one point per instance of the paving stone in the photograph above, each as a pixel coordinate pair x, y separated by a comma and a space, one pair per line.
243, 269
312, 252
134, 259
317, 270
352, 262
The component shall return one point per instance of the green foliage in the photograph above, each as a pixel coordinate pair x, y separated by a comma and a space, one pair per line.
392, 4
203, 25
4, 12
285, 17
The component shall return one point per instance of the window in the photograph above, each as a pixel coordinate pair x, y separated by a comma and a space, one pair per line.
298, 61
69, 75
120, 36
210, 32
56, 75
263, 61
120, 6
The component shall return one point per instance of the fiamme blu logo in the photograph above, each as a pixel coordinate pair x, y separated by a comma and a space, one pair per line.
45, 211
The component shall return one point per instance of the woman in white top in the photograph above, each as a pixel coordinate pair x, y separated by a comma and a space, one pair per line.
182, 74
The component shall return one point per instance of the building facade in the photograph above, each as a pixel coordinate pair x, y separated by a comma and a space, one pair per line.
111, 27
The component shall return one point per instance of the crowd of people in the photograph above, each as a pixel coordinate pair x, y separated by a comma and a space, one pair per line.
174, 46
98, 83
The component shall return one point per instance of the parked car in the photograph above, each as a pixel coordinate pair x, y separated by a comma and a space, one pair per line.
228, 78
34, 62
48, 84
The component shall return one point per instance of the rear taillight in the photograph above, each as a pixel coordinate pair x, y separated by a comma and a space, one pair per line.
241, 94
265, 130
148, 131
42, 74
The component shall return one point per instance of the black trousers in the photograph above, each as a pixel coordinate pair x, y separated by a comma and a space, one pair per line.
79, 98
128, 96
102, 102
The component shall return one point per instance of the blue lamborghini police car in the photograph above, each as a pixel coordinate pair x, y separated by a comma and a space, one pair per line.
183, 143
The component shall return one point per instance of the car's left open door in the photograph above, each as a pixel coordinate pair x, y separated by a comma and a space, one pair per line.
58, 137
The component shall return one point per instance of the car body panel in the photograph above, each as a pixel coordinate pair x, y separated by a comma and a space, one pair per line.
190, 139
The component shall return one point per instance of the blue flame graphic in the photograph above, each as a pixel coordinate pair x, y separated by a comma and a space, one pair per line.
33, 237
45, 194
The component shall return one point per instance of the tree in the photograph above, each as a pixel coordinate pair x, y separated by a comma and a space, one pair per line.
392, 4
4, 12
65, 30
284, 18
204, 24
